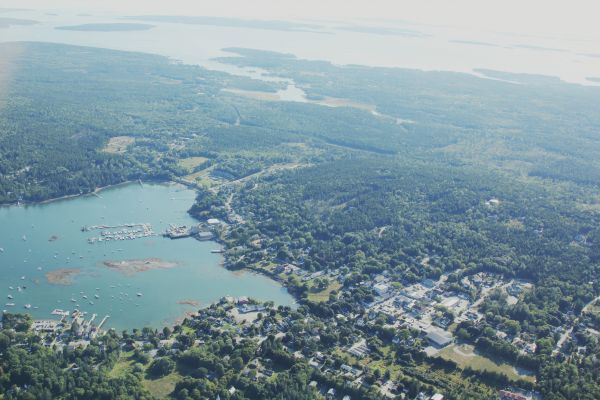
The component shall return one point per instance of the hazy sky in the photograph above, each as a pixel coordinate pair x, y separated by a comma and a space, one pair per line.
559, 18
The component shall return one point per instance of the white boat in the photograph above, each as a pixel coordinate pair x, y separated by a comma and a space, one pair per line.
84, 296
91, 303
24, 238
1, 250
138, 294
73, 300
10, 297
96, 296
27, 306
11, 288
10, 304
22, 278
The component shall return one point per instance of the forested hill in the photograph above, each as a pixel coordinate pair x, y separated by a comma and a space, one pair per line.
527, 124
63, 104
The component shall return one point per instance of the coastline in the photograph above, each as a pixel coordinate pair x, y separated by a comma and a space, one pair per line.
67, 196
222, 245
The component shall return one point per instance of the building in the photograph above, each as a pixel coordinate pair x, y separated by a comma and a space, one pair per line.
331, 394
381, 288
203, 235
438, 337
437, 396
428, 283
506, 395
78, 344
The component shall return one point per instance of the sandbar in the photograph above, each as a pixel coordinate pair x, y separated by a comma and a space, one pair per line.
62, 276
131, 267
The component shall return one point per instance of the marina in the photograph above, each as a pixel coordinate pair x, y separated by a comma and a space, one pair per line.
128, 232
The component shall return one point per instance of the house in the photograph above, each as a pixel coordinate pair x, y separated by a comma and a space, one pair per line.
438, 337
381, 288
350, 370
331, 394
78, 344
428, 283
506, 395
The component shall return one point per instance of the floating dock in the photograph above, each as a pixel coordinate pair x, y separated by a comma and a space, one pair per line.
127, 232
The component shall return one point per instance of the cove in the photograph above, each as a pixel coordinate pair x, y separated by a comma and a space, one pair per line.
47, 262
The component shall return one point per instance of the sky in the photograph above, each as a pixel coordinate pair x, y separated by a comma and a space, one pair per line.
565, 19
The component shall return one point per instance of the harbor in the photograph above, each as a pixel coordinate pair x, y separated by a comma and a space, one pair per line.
111, 273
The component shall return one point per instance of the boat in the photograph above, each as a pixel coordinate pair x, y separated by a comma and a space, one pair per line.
27, 306
96, 296
10, 297
23, 278
24, 238
73, 300
91, 303
138, 294
11, 288
10, 304
84, 296
1, 250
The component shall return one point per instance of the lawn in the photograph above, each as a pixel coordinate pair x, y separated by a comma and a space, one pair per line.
192, 162
465, 356
118, 144
162, 387
323, 295
123, 366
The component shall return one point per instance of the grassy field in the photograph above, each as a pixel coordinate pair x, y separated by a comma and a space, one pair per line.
162, 387
192, 162
123, 366
118, 144
323, 295
466, 356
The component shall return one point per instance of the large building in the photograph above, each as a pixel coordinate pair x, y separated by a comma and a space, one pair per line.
438, 337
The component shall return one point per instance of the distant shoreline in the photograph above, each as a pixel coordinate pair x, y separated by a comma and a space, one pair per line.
72, 196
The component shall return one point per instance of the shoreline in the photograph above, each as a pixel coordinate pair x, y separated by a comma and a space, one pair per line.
221, 244
97, 191
69, 196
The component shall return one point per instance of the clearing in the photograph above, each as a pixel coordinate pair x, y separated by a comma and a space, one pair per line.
465, 355
191, 162
118, 144
323, 295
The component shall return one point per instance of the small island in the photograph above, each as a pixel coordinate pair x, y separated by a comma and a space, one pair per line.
109, 27
131, 267
64, 276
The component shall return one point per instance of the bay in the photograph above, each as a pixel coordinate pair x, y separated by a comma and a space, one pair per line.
46, 241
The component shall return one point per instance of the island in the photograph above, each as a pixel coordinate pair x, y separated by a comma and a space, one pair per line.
107, 27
